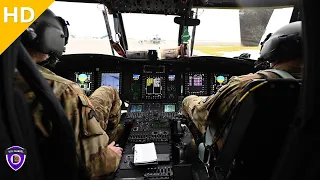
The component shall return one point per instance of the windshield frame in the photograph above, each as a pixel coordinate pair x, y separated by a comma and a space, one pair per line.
119, 24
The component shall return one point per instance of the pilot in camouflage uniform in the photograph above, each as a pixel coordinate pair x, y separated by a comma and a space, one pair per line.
88, 116
214, 111
103, 103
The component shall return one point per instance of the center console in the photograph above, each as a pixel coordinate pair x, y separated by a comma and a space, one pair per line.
159, 123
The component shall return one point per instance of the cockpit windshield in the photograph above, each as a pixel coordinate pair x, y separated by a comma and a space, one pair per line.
222, 32
232, 32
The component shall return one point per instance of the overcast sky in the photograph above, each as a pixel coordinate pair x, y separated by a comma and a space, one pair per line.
216, 24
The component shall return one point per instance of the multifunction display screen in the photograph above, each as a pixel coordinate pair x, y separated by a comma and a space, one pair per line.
169, 108
85, 81
196, 84
154, 87
136, 108
111, 79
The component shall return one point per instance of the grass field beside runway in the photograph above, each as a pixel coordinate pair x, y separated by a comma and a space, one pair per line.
220, 50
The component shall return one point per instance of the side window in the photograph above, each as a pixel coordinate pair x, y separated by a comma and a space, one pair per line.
88, 32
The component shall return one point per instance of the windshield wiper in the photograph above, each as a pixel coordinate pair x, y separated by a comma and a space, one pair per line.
121, 46
119, 29
106, 20
193, 34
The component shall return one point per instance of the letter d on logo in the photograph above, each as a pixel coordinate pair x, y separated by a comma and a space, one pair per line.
23, 10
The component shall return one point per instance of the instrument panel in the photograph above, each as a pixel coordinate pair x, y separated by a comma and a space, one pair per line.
152, 86
151, 81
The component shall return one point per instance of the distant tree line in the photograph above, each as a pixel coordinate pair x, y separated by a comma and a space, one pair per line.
253, 23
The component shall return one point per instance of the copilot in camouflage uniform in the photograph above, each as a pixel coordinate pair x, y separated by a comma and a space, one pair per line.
215, 110
88, 116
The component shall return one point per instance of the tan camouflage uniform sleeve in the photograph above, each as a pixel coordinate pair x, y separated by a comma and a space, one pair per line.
106, 101
92, 140
215, 109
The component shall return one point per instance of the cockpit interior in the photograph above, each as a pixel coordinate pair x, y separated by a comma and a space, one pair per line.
157, 52
153, 73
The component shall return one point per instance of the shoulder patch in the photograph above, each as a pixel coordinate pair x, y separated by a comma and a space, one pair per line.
86, 102
92, 114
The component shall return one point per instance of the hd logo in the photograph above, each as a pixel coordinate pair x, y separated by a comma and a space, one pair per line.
16, 16
11, 14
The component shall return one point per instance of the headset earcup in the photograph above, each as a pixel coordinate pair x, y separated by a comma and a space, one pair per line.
64, 25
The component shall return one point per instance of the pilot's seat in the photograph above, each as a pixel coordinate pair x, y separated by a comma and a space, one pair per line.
256, 132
